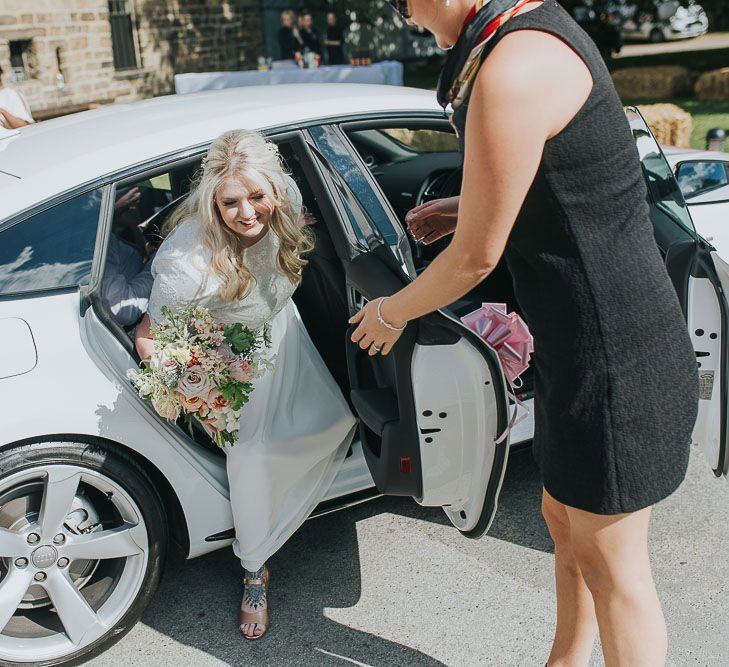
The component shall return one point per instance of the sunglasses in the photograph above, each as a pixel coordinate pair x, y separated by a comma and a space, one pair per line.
401, 7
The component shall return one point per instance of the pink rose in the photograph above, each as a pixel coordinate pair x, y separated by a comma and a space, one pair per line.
241, 371
191, 404
163, 363
216, 401
194, 382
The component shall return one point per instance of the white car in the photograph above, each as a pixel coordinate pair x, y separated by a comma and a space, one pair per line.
661, 20
703, 177
96, 490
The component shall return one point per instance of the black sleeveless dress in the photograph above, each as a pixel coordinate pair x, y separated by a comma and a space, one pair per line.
616, 380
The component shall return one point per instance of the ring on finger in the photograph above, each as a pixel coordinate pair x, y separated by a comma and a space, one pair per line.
376, 348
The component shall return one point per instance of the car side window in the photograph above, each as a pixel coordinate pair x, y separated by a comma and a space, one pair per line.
337, 153
52, 249
699, 176
423, 140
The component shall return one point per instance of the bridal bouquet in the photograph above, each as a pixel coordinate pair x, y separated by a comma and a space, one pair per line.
202, 369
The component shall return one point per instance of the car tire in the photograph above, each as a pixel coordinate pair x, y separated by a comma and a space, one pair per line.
120, 479
656, 36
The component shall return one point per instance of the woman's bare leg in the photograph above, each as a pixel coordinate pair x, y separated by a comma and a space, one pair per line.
574, 636
612, 553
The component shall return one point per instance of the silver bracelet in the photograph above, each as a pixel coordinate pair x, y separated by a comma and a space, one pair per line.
381, 320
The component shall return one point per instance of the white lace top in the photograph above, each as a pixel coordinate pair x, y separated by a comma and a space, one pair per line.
182, 277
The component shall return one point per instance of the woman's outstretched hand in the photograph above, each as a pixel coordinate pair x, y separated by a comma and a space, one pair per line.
370, 334
433, 220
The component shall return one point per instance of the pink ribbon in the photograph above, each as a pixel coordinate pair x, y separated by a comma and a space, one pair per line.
508, 334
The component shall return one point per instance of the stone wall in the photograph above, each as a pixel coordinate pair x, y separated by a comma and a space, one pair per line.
69, 56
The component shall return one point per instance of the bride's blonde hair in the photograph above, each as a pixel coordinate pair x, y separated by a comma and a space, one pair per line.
243, 154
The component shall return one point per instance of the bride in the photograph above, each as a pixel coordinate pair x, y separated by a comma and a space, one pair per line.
236, 247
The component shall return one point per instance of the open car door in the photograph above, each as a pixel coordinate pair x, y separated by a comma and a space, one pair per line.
431, 410
701, 279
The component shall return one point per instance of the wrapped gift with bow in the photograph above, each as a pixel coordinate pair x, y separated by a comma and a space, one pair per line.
508, 334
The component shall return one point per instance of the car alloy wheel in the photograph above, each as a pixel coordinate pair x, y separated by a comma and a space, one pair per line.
74, 560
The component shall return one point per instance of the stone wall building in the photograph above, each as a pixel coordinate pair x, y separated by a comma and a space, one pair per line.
69, 55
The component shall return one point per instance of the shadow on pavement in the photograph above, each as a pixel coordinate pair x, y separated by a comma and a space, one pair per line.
518, 518
319, 568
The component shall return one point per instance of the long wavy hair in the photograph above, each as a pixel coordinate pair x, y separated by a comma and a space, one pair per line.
243, 154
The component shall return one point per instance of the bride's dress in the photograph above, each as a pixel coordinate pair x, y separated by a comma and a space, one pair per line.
296, 429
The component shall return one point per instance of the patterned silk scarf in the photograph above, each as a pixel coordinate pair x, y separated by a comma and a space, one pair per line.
465, 57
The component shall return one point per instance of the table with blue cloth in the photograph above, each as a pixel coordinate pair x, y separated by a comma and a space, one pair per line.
387, 72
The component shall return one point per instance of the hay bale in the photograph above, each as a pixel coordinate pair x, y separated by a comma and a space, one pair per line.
713, 85
670, 124
640, 83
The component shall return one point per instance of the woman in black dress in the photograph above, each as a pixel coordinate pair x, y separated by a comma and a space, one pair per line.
334, 41
549, 156
290, 43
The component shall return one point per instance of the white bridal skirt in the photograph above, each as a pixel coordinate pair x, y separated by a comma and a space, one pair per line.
295, 433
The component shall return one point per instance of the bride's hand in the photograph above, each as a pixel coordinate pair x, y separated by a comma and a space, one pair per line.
433, 220
370, 334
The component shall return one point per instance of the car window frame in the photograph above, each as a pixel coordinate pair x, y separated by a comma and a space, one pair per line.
651, 198
404, 119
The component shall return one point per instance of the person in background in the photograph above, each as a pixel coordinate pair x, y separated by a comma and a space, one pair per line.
334, 40
289, 39
127, 274
309, 34
14, 110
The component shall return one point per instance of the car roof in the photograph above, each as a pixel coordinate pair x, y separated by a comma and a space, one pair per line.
54, 156
675, 155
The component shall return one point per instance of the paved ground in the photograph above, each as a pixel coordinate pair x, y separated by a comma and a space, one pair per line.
390, 583
712, 40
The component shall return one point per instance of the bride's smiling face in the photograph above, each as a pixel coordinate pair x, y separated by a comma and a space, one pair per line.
245, 206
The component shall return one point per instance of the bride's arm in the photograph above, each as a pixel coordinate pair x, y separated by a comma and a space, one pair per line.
176, 284
143, 339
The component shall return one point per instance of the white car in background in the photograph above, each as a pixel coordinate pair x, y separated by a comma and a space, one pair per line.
96, 490
661, 20
703, 177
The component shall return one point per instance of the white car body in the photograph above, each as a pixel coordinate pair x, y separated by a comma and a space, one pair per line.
63, 365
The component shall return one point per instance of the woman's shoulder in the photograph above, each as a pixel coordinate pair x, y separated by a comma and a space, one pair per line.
183, 246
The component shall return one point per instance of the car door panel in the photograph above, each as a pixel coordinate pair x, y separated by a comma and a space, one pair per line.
707, 321
430, 410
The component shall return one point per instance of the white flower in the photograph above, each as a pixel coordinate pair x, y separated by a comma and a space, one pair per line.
166, 407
